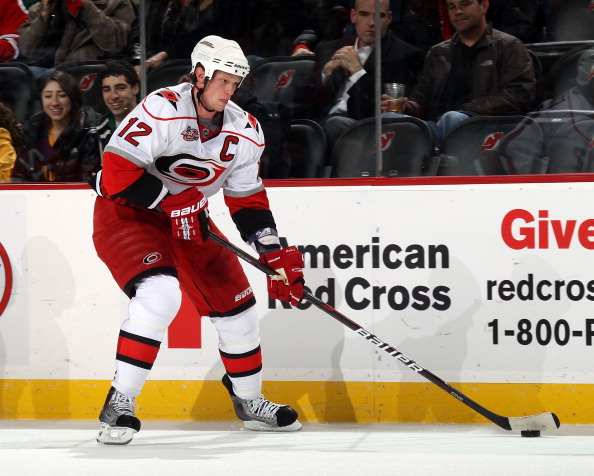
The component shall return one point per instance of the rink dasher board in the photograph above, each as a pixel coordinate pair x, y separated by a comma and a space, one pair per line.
477, 308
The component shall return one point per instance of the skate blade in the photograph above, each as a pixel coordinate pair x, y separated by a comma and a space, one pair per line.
114, 435
254, 425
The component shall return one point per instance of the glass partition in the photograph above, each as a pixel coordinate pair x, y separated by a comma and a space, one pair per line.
312, 86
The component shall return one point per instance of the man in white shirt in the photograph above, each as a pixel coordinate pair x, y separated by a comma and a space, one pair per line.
344, 73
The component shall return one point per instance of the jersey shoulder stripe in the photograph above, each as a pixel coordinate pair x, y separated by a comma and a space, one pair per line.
170, 104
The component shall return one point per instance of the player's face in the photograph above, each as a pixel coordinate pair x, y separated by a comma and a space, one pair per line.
363, 16
219, 90
119, 96
467, 16
55, 102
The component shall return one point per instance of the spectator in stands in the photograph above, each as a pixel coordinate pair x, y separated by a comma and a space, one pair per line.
525, 149
344, 75
329, 20
120, 86
10, 141
425, 23
60, 143
169, 21
59, 31
480, 71
262, 28
14, 14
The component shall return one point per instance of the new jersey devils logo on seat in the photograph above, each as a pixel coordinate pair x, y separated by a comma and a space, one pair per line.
87, 81
491, 141
188, 169
284, 79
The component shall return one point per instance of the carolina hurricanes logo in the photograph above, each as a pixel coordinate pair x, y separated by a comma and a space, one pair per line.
5, 279
491, 141
152, 258
284, 79
188, 169
591, 7
252, 121
386, 141
87, 81
190, 134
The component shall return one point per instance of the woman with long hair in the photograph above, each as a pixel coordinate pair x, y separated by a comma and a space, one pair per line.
60, 143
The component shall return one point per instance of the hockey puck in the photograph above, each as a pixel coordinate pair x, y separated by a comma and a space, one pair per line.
530, 433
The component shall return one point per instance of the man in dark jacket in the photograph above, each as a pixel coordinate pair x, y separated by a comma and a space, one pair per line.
345, 70
480, 71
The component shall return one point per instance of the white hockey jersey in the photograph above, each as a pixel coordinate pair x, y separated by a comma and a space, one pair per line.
162, 135
162, 139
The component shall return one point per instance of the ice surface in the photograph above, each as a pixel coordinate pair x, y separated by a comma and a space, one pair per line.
224, 448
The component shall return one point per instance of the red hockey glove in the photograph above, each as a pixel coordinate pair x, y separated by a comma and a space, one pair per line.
189, 214
287, 285
74, 6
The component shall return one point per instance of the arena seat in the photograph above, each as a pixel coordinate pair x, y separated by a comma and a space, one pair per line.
170, 73
307, 148
407, 147
562, 75
85, 73
572, 148
17, 89
550, 51
462, 147
282, 79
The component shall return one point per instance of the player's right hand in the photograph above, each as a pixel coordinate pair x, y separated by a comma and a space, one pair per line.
287, 284
188, 211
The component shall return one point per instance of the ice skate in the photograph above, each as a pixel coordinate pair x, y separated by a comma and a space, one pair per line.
118, 422
260, 414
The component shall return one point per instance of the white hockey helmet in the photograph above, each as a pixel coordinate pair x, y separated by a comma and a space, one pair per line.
216, 53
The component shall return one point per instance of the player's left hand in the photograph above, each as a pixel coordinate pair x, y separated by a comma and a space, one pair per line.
287, 285
188, 213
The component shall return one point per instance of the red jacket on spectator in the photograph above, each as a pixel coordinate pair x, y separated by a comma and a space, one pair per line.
14, 14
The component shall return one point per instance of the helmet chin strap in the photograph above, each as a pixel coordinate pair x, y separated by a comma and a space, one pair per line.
200, 91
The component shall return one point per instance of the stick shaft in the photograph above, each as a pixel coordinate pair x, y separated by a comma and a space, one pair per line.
499, 420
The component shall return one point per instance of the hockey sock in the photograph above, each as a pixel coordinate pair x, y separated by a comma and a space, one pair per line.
151, 310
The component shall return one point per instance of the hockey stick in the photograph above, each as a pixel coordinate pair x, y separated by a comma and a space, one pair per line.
538, 422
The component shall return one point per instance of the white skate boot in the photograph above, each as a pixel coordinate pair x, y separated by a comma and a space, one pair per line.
118, 422
260, 414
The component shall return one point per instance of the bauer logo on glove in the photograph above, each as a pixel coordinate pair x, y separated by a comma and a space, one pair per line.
287, 284
188, 213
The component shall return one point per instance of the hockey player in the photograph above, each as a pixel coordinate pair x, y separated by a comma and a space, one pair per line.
178, 147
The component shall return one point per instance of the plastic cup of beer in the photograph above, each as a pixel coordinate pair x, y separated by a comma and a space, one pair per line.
396, 93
